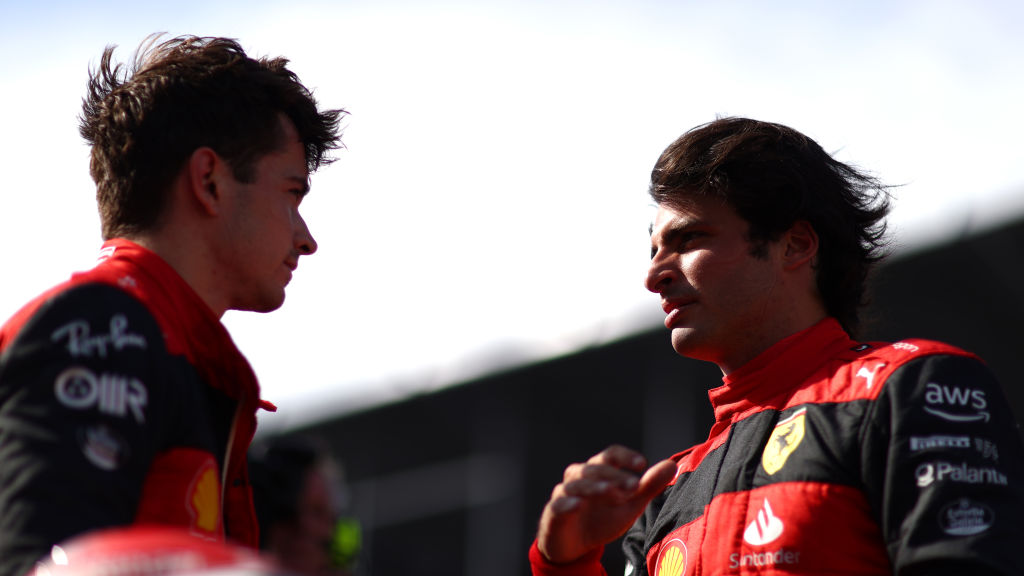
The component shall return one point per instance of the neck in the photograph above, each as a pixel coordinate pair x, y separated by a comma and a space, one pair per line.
794, 306
766, 338
188, 256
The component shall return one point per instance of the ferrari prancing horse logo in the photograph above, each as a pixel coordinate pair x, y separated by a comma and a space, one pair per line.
784, 439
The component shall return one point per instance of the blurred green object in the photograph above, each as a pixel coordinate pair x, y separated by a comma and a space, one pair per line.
347, 540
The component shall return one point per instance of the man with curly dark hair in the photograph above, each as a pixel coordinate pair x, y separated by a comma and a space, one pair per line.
828, 455
122, 396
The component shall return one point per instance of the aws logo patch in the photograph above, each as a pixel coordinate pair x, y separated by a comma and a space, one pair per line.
784, 440
672, 559
955, 404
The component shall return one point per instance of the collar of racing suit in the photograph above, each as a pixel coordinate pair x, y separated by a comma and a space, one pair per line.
776, 372
197, 332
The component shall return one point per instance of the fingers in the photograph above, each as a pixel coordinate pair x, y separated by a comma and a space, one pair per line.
597, 501
598, 473
564, 504
593, 492
655, 479
614, 485
614, 463
620, 457
616, 475
612, 473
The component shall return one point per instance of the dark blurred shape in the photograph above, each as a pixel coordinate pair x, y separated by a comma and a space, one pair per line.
300, 499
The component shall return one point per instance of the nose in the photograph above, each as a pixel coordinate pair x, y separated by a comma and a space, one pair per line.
304, 241
659, 275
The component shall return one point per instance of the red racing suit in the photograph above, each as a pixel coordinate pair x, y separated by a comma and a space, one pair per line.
122, 400
832, 457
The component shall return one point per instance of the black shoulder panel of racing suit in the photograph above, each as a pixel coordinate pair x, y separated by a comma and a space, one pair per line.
942, 467
88, 394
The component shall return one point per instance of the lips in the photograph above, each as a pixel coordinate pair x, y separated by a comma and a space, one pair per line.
290, 265
674, 308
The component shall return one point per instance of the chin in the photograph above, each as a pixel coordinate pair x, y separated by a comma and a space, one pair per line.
267, 304
682, 338
686, 342
271, 306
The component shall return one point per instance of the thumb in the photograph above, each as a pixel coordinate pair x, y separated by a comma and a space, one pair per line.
655, 479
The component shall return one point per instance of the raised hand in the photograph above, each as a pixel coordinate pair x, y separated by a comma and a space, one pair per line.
597, 501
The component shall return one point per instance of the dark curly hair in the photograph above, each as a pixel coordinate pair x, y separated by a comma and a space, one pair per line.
773, 176
179, 95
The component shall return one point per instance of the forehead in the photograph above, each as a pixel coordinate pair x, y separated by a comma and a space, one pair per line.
697, 211
288, 159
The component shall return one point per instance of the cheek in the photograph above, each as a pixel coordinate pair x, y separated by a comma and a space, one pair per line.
277, 226
730, 281
708, 269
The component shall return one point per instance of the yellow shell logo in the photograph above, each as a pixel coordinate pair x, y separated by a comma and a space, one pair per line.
783, 441
673, 559
205, 500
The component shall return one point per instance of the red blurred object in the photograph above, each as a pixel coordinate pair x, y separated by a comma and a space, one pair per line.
150, 551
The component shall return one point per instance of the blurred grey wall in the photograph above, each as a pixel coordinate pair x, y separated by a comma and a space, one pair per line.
453, 482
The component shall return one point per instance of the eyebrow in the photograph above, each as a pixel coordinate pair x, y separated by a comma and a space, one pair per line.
677, 227
302, 182
672, 231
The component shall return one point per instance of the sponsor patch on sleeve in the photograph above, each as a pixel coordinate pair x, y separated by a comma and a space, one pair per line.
965, 517
103, 446
79, 388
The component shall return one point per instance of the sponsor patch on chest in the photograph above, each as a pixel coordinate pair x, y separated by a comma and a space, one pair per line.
672, 560
785, 438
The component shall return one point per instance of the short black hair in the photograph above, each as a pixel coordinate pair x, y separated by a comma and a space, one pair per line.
774, 176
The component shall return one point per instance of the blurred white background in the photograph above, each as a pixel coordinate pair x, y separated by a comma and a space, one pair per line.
491, 205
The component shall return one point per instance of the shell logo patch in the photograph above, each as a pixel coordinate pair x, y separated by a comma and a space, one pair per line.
672, 559
784, 440
204, 497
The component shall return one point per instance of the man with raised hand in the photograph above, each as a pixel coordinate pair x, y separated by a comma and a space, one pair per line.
828, 455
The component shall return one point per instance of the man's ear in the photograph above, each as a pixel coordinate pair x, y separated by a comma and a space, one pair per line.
204, 167
801, 245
